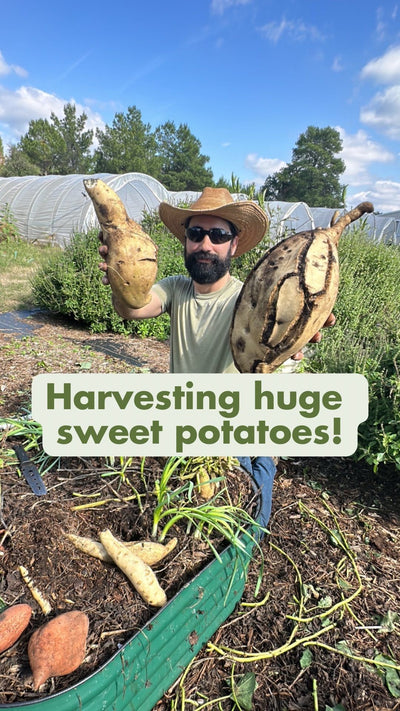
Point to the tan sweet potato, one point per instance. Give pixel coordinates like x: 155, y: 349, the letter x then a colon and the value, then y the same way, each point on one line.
x: 132, y: 254
x: 58, y: 647
x: 288, y: 296
x: 13, y: 621
x: 205, y: 486
x: 148, y: 551
x: 138, y: 573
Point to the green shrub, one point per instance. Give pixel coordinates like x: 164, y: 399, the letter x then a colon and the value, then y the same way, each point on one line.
x: 8, y: 228
x: 379, y: 436
x: 366, y: 340
x: 70, y: 285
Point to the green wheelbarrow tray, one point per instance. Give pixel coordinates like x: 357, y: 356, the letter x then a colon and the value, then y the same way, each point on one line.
x: 136, y: 677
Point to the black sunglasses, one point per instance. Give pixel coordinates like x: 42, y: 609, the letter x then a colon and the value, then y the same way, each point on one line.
x: 216, y: 234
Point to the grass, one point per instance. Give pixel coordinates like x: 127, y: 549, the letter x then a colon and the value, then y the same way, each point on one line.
x: 19, y: 261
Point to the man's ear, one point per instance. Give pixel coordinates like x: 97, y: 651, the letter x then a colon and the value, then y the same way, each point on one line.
x: 234, y: 244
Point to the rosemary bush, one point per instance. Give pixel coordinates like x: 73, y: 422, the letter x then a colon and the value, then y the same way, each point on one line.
x: 366, y: 340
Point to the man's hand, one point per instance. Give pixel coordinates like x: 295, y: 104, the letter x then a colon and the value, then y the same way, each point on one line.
x: 103, y: 251
x: 330, y: 321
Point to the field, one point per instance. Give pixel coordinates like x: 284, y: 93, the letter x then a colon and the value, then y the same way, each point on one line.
x: 323, y: 630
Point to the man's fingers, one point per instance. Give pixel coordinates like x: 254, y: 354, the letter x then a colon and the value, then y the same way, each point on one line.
x: 316, y: 338
x: 298, y: 356
x: 330, y: 321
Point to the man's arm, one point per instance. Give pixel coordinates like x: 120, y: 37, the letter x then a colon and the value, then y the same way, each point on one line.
x: 151, y: 310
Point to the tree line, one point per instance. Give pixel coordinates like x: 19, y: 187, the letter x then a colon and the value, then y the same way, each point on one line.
x: 171, y: 154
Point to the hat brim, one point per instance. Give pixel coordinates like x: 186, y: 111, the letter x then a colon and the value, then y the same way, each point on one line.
x: 248, y: 217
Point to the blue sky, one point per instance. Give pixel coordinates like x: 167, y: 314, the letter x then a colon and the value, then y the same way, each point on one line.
x: 247, y: 76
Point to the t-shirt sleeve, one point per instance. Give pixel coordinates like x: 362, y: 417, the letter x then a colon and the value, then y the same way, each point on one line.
x: 164, y: 290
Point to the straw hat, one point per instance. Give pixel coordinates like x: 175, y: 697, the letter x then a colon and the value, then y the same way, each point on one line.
x: 249, y: 219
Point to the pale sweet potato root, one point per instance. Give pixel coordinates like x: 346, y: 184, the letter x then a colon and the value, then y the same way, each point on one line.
x: 138, y: 573
x: 150, y: 552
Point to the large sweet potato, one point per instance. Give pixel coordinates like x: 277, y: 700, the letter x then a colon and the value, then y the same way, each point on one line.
x: 132, y: 254
x: 288, y: 296
x: 58, y: 647
x: 13, y: 621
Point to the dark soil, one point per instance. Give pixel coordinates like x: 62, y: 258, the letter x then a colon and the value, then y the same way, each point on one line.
x: 35, y: 537
x: 330, y: 593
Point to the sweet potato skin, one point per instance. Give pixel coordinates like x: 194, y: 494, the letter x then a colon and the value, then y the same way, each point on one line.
x: 148, y: 551
x: 288, y: 296
x: 138, y: 573
x: 13, y: 621
x: 132, y: 254
x: 58, y: 647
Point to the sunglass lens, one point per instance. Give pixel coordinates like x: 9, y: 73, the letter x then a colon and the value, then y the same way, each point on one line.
x: 216, y: 234
x: 195, y: 234
x: 219, y: 236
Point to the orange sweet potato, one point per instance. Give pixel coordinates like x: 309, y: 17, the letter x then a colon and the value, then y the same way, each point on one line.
x: 13, y: 621
x: 58, y: 647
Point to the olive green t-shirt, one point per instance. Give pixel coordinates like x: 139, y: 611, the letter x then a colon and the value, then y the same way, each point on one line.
x: 200, y: 325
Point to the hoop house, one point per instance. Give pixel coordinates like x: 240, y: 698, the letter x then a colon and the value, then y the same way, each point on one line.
x: 289, y: 217
x: 53, y: 207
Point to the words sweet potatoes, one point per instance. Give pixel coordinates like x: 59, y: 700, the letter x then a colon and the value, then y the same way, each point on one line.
x: 58, y: 647
x: 13, y: 621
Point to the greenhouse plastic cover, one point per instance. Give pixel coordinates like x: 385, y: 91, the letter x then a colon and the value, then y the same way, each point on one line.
x: 52, y: 208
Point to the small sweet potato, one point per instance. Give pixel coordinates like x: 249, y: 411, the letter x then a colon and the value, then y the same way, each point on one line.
x: 13, y: 621
x: 58, y: 647
x: 148, y: 551
x: 205, y: 486
x: 139, y: 573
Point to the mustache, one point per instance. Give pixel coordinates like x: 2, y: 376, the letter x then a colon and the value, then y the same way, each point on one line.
x: 202, y: 254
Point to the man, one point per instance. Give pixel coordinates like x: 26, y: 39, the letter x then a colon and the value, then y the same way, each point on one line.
x: 213, y: 230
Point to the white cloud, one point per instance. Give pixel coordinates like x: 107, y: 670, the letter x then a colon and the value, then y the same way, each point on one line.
x: 218, y: 7
x: 337, y: 65
x: 262, y: 167
x: 384, y: 69
x: 295, y: 30
x: 11, y: 68
x: 18, y: 108
x: 359, y: 151
x: 384, y: 195
x: 383, y: 112
x: 385, y: 18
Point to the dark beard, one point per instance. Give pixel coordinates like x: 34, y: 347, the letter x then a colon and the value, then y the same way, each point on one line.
x: 207, y: 272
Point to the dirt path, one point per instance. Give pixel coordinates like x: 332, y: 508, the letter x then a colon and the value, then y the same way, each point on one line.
x: 39, y: 343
